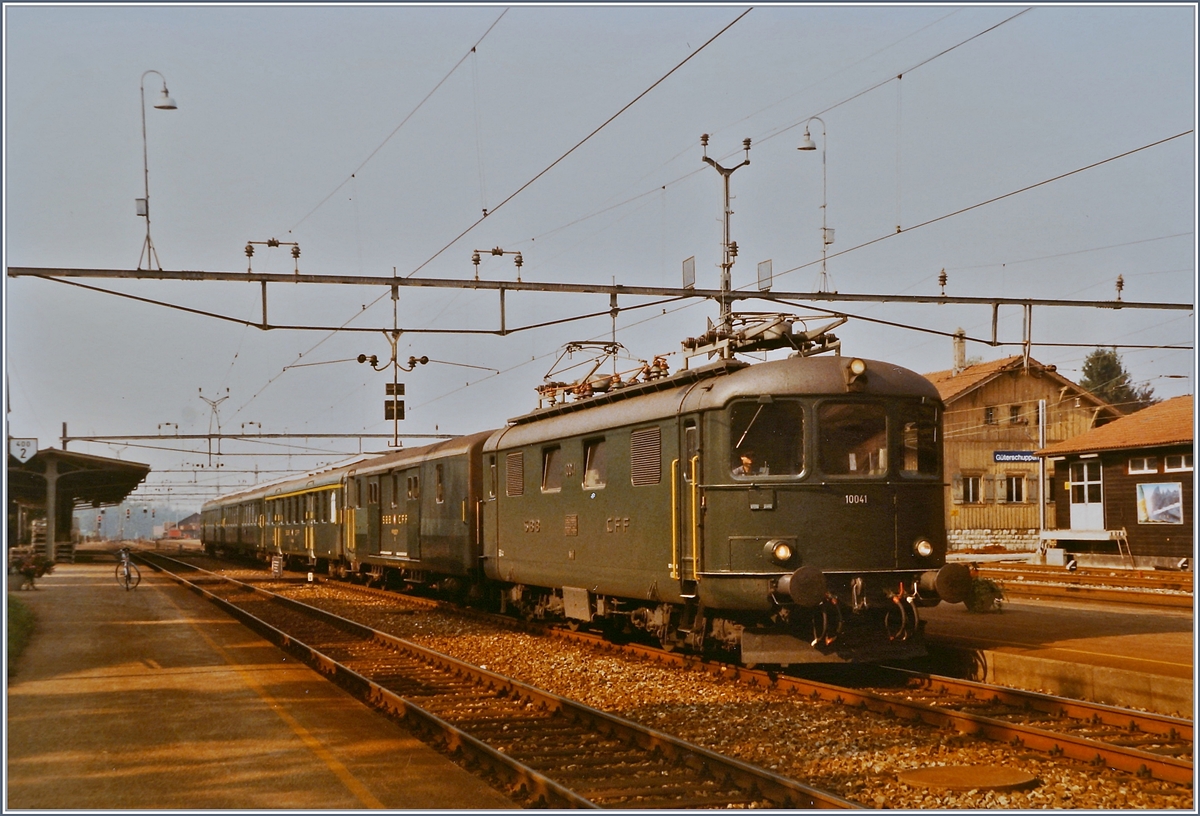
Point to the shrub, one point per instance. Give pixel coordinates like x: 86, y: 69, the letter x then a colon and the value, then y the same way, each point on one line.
x: 985, y: 596
x: 20, y: 630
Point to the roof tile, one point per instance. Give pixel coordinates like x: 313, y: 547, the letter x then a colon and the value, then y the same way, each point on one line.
x: 1165, y: 423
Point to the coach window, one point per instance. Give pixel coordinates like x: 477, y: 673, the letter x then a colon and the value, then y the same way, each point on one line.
x: 853, y: 439
x: 766, y: 438
x: 440, y: 486
x: 395, y: 489
x: 919, y: 436
x: 333, y: 514
x: 552, y: 470
x: 492, y: 475
x: 594, y: 459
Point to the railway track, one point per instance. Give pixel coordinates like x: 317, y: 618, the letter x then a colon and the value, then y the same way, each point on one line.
x: 555, y: 752
x: 1139, y: 743
x: 1168, y: 590
x: 1142, y: 579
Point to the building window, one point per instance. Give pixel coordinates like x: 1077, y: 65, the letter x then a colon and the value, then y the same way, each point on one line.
x: 1014, y: 488
x: 989, y: 416
x: 1143, y: 464
x: 1177, y: 462
x: 972, y: 487
x: 1014, y: 415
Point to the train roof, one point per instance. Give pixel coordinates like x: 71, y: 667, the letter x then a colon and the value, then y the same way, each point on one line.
x: 709, y: 388
x: 363, y: 463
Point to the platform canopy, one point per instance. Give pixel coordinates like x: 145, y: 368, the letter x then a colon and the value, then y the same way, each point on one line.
x: 59, y: 481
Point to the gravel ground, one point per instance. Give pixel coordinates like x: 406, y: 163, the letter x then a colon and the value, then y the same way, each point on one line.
x: 853, y: 753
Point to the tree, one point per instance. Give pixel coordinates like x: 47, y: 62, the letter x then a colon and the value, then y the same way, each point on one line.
x: 1105, y: 376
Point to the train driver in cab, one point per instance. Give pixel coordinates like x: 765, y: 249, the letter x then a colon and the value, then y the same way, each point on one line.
x: 745, y: 466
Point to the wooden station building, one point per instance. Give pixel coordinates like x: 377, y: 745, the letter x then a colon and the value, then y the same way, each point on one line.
x: 994, y: 494
x: 1129, y: 482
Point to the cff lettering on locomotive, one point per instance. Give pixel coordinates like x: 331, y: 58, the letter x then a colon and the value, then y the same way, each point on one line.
x: 786, y: 512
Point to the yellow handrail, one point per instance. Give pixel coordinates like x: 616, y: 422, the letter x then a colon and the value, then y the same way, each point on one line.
x: 674, y: 520
x: 695, y: 520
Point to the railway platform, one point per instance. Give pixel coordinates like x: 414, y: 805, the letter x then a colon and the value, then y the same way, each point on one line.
x: 155, y: 699
x: 1122, y: 656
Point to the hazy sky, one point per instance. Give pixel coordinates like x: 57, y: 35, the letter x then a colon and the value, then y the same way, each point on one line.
x: 298, y: 123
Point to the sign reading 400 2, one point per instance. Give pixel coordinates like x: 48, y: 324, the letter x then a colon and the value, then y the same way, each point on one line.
x: 22, y: 449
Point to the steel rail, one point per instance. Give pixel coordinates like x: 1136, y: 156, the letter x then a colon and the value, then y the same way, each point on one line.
x: 1131, y: 720
x: 1179, y: 581
x: 755, y: 784
x: 1133, y: 597
x: 1054, y: 743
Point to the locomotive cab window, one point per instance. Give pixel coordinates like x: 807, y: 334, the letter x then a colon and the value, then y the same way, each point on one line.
x: 766, y: 438
x: 552, y: 473
x: 919, y: 437
x: 853, y: 439
x: 594, y: 463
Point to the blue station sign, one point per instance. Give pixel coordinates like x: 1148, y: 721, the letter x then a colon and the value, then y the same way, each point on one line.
x: 1013, y: 456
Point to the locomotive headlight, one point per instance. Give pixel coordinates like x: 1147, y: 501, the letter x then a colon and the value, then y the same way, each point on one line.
x: 855, y: 374
x: 778, y: 551
x: 923, y: 547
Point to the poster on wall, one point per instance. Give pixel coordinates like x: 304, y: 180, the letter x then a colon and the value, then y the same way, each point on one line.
x: 1160, y: 503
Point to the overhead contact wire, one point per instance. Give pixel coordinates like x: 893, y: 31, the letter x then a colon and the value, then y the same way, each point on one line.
x: 581, y: 142
x: 413, y: 112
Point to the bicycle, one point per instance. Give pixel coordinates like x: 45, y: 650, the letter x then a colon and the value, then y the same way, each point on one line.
x: 128, y: 574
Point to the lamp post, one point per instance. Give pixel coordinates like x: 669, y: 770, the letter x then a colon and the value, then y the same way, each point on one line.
x: 165, y: 102
x: 826, y: 233
x: 393, y: 407
x: 728, y: 248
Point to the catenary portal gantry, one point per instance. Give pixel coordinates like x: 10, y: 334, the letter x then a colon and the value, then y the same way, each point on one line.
x: 502, y: 287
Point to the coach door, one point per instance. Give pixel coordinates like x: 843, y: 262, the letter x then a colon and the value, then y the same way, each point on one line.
x: 391, y: 512
x: 687, y: 475
x: 412, y: 513
x: 373, y: 514
x: 309, y: 520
